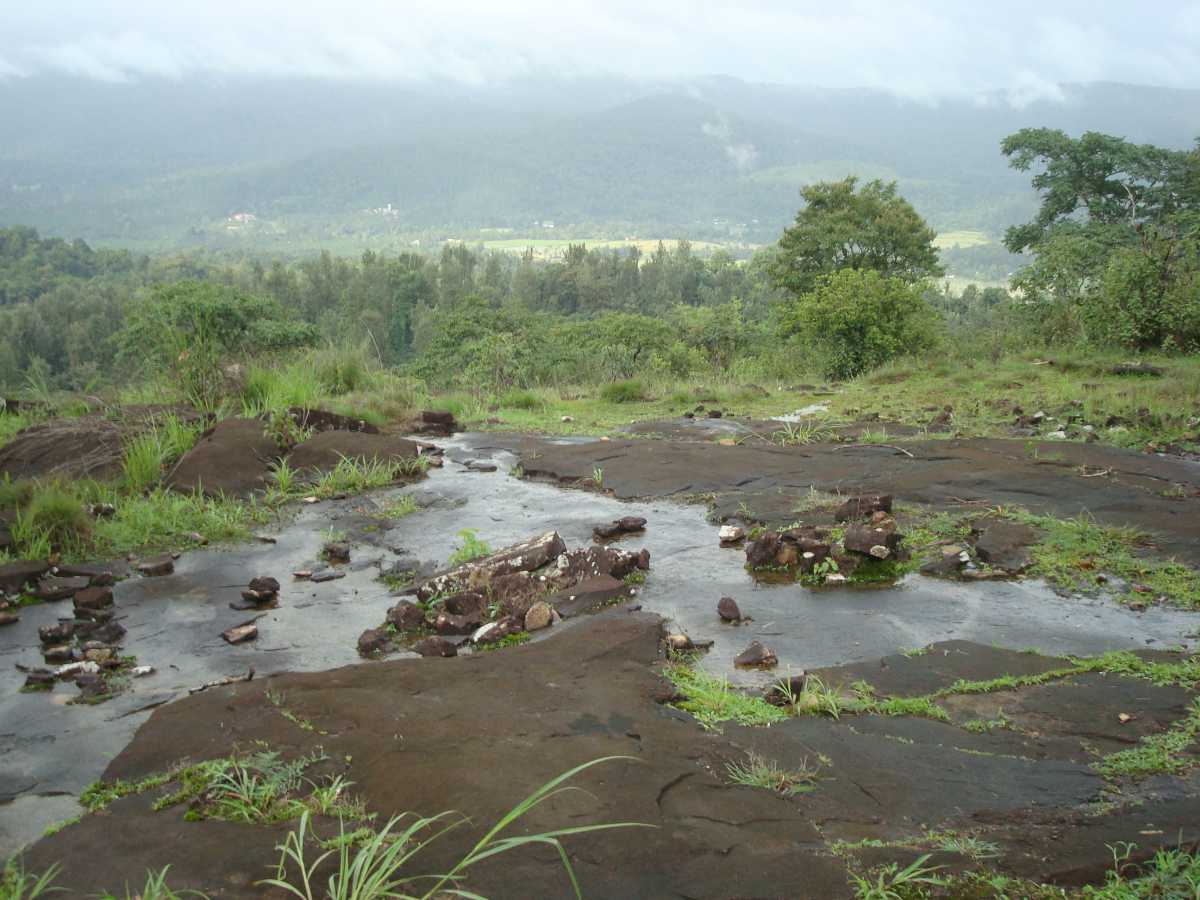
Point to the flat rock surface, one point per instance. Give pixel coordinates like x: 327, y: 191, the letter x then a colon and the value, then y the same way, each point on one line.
x: 426, y: 737
x: 768, y: 479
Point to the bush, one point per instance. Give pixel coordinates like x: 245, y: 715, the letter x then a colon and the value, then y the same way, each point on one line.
x: 521, y: 400
x: 856, y: 320
x: 1146, y: 301
x: 344, y: 369
x: 52, y: 516
x: 629, y: 391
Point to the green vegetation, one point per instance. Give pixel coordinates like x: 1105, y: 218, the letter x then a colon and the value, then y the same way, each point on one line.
x: 1074, y: 551
x: 891, y: 882
x: 380, y: 866
x: 471, y: 548
x: 1157, y: 753
x: 155, y: 888
x: 760, y: 772
x: 712, y: 700
x: 17, y: 884
x: 149, y: 455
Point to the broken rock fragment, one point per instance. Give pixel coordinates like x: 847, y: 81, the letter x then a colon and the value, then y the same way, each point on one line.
x: 861, y: 507
x: 435, y: 646
x: 731, y: 534
x: 406, y: 616
x: 239, y: 634
x: 728, y: 610
x: 156, y: 566
x: 539, y: 616
x: 756, y: 656
x: 374, y: 642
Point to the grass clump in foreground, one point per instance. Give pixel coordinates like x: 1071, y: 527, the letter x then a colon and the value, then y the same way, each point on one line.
x: 1157, y: 753
x: 757, y: 771
x: 379, y: 866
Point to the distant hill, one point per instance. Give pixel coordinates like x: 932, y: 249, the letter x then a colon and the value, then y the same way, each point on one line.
x: 166, y: 163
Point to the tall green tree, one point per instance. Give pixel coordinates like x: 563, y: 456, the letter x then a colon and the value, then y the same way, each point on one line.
x: 842, y: 226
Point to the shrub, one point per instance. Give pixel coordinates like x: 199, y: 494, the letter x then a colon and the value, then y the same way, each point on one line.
x: 521, y: 400
x: 856, y: 320
x: 1146, y: 301
x: 344, y: 368
x: 52, y: 515
x: 628, y: 391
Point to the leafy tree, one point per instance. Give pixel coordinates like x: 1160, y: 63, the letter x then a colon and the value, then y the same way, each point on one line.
x: 853, y: 321
x: 191, y: 328
x: 1115, y: 240
x: 840, y: 227
x: 1109, y: 180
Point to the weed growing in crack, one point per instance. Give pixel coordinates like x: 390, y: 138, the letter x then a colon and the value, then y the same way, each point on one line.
x: 757, y: 771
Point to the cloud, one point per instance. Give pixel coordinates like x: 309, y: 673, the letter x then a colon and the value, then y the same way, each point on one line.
x: 742, y: 154
x: 924, y: 50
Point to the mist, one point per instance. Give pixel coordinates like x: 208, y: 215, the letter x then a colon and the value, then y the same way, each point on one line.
x: 922, y: 51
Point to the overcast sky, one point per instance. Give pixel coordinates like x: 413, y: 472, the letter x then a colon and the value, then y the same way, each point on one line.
x: 920, y: 49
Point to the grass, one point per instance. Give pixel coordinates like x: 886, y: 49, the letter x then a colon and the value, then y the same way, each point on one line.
x: 1166, y: 752
x: 380, y: 866
x: 155, y: 888
x: 629, y: 391
x: 1074, y: 551
x: 891, y: 882
x: 712, y: 701
x: 17, y: 884
x: 984, y: 390
x: 146, y: 458
x: 470, y: 549
x: 760, y: 772
x: 397, y: 509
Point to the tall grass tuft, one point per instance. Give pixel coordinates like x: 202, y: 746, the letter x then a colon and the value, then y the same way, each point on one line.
x: 53, y: 519
x: 378, y: 867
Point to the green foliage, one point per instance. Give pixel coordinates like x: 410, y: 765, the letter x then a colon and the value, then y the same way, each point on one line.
x: 758, y: 771
x: 712, y: 700
x: 155, y: 888
x: 628, y: 391
x: 191, y: 328
x: 1169, y: 873
x: 379, y: 866
x: 17, y: 884
x: 1148, y: 297
x: 894, y: 883
x: 867, y: 229
x: 856, y: 320
x: 1116, y: 238
x: 148, y: 455
x: 470, y: 548
x: 53, y: 518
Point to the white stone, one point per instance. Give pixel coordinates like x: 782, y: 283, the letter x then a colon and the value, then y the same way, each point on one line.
x: 730, y: 533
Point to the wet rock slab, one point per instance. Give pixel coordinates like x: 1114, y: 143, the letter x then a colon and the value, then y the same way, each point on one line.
x: 414, y: 734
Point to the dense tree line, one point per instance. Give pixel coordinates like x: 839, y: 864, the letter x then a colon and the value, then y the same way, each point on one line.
x: 1112, y: 260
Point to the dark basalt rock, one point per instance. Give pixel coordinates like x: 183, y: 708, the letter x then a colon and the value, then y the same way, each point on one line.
x: 406, y: 616
x: 861, y: 507
x: 435, y: 646
x: 728, y: 610
x: 756, y: 656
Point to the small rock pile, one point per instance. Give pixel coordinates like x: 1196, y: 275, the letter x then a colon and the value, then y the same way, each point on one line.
x: 85, y: 648
x: 809, y: 550
x: 523, y: 588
